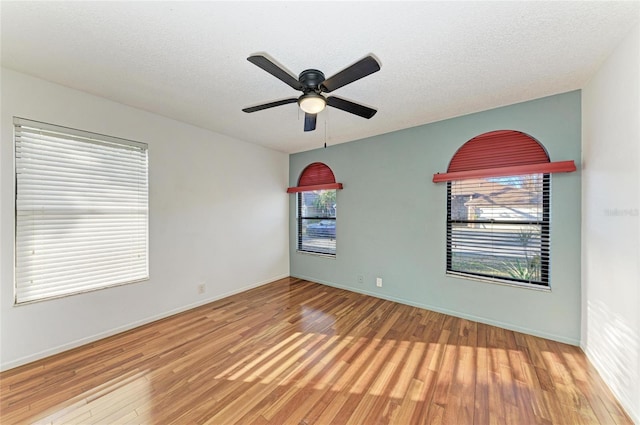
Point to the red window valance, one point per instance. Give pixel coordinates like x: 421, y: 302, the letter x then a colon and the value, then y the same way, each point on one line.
x: 501, y: 153
x: 316, y: 176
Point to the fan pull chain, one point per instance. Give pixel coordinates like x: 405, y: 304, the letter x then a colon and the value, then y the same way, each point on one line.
x: 325, y: 129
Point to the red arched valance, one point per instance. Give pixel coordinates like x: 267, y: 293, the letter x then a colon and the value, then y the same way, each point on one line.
x: 316, y: 176
x: 501, y: 153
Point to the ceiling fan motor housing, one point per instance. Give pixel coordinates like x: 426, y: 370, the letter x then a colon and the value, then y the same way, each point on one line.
x: 311, y: 79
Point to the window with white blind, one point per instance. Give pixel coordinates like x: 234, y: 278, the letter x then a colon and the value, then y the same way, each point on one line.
x: 498, y: 227
x: 498, y: 208
x: 317, y: 221
x: 81, y: 211
x: 316, y: 209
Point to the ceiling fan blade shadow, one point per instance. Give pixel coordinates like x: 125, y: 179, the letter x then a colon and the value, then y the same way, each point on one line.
x: 354, y: 108
x: 269, y: 105
x: 310, y: 122
x: 275, y: 70
x: 358, y: 70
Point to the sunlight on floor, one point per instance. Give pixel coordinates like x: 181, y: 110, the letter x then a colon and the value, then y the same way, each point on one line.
x: 126, y: 398
x: 322, y: 361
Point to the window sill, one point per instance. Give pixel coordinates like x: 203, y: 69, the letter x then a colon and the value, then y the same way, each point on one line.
x: 499, y: 282
x: 317, y: 254
x: 80, y: 292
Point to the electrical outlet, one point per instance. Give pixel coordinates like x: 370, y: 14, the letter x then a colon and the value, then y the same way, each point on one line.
x: 202, y: 288
x: 379, y: 282
x: 360, y: 278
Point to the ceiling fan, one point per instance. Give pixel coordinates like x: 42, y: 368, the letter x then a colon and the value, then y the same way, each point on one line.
x: 312, y: 84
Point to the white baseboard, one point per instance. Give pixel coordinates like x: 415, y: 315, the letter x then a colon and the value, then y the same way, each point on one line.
x: 80, y: 342
x: 460, y: 314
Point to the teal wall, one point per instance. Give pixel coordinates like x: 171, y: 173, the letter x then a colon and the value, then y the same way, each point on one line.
x: 391, y: 220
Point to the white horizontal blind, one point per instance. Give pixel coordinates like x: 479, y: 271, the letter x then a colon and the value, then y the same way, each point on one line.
x: 317, y: 221
x: 498, y: 227
x: 81, y: 211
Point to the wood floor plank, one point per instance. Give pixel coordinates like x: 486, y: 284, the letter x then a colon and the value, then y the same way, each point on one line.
x: 296, y: 352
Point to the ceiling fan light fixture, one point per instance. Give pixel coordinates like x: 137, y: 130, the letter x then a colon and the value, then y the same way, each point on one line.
x: 312, y: 103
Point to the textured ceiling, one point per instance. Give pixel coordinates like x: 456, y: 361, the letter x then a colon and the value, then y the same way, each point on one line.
x: 187, y: 60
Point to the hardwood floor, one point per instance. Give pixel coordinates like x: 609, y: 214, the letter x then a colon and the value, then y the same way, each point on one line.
x: 296, y: 352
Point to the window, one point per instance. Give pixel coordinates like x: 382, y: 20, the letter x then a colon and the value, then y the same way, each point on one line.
x: 81, y: 211
x: 498, y: 208
x: 316, y: 209
x: 317, y: 221
x: 499, y: 228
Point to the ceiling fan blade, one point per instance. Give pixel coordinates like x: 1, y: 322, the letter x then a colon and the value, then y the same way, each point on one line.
x: 351, y: 107
x: 358, y: 70
x: 273, y: 69
x: 310, y: 122
x: 270, y: 105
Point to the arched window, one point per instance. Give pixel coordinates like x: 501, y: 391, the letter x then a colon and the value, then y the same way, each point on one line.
x: 316, y: 200
x: 498, y: 208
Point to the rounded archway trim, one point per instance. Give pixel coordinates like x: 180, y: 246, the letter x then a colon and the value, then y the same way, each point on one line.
x: 501, y: 153
x: 316, y: 176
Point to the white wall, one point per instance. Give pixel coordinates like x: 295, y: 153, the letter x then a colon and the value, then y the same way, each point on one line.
x: 611, y: 222
x: 218, y: 214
